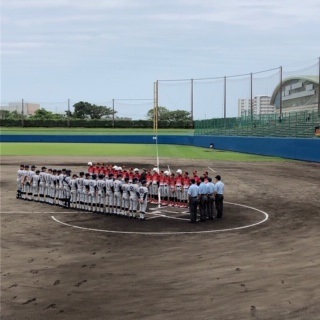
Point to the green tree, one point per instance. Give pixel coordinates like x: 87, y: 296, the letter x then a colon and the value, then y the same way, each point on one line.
x: 43, y: 114
x: 15, y: 115
x: 179, y: 115
x: 171, y: 116
x: 162, y: 114
x: 83, y: 110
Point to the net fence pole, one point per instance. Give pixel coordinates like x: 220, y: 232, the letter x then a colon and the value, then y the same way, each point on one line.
x: 319, y: 86
x: 191, y: 123
x: 112, y: 113
x: 280, y: 93
x: 251, y: 97
x: 22, y: 112
x: 225, y: 98
x: 68, y: 116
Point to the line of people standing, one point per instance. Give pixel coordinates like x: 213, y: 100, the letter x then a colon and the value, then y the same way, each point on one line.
x: 206, y: 196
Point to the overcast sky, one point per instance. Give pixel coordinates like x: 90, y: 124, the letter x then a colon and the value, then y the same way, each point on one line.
x: 98, y: 50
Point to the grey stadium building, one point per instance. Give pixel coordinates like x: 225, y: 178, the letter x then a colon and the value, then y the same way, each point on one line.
x: 298, y: 94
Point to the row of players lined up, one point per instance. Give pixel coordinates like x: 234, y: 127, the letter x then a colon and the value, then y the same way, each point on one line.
x: 85, y: 191
x: 172, y: 187
x: 115, y: 193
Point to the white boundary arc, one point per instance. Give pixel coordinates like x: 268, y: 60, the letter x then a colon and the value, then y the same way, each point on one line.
x: 266, y: 217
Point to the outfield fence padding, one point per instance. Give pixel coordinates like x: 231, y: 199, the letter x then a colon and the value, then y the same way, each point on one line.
x: 291, y: 148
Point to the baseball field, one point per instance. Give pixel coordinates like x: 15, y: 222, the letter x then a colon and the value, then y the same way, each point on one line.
x: 261, y: 261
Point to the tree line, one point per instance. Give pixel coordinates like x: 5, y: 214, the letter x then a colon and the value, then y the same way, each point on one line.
x: 85, y: 110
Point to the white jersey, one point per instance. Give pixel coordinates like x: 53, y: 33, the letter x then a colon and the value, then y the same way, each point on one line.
x: 47, y: 179
x: 101, y: 184
x: 73, y: 184
x: 30, y: 175
x: 60, y: 178
x: 133, y: 190
x: 42, y: 175
x: 125, y: 190
x: 24, y: 175
x: 54, y: 181
x: 20, y: 175
x: 143, y: 192
x: 92, y: 186
x: 109, y: 185
x: 80, y: 183
x: 86, y: 184
x: 35, y: 180
x: 65, y: 182
x: 117, y: 185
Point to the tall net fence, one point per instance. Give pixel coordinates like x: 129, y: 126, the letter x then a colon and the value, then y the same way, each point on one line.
x: 282, y: 101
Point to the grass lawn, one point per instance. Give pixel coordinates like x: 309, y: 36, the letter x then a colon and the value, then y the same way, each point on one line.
x: 127, y: 150
x: 94, y: 131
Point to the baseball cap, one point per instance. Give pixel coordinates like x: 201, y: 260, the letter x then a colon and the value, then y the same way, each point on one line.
x: 33, y: 166
x: 143, y: 182
x: 43, y: 168
x: 218, y: 177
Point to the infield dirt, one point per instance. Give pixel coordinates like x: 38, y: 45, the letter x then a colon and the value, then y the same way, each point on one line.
x: 268, y: 271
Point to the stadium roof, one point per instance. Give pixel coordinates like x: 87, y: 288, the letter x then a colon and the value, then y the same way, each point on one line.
x: 312, y: 79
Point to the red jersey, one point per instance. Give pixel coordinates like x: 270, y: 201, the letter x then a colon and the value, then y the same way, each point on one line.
x: 195, y: 177
x: 186, y: 182
x: 155, y: 178
x: 172, y: 182
x: 130, y: 174
x: 161, y: 179
x: 149, y: 177
x: 179, y: 180
x: 90, y: 169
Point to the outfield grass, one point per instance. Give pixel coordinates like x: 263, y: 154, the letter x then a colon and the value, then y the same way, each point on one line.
x: 94, y: 131
x: 127, y: 150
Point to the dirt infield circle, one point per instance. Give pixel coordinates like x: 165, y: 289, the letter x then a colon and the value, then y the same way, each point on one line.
x: 156, y: 214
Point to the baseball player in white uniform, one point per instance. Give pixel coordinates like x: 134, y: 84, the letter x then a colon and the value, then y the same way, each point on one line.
x: 101, y: 194
x: 25, y: 183
x: 125, y: 197
x: 86, y: 189
x: 143, y: 199
x: 117, y: 194
x: 20, y: 177
x: 35, y: 185
x: 73, y: 191
x: 133, y: 199
x: 92, y: 192
x: 80, y: 194
x: 109, y: 194
x: 66, y: 188
x: 42, y: 184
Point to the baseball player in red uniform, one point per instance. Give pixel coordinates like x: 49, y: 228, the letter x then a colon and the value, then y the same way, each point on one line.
x: 179, y: 183
x: 186, y: 185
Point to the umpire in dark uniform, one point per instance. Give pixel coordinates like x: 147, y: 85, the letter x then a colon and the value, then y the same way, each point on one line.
x: 193, y: 193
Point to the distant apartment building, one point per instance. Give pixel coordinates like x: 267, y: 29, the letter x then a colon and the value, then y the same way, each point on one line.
x: 260, y: 105
x: 28, y: 108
